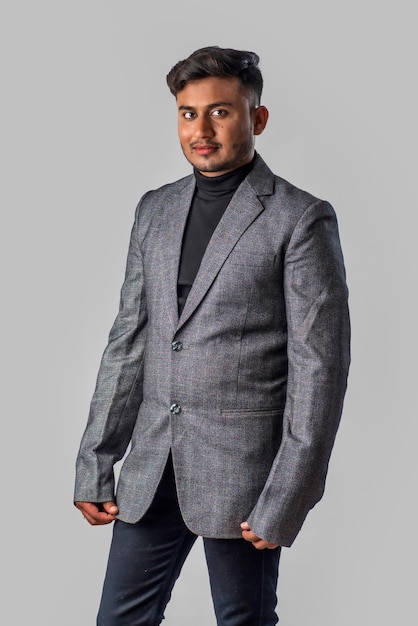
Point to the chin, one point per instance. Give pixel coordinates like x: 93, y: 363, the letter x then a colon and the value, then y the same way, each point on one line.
x: 205, y: 166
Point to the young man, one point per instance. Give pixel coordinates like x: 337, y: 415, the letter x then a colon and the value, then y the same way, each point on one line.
x: 226, y: 366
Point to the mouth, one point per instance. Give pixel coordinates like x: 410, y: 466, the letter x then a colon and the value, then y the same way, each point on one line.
x: 204, y: 149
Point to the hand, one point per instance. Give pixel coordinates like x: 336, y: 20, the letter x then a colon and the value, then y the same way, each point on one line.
x: 98, y: 514
x: 258, y: 543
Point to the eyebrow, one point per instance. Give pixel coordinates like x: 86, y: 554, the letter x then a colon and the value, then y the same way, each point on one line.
x: 184, y: 107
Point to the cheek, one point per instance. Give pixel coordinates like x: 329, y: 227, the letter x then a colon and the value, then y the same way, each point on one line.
x: 183, y: 136
x: 238, y: 133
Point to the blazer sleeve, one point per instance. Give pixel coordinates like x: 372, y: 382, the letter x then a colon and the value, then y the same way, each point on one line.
x: 318, y: 324
x: 118, y: 392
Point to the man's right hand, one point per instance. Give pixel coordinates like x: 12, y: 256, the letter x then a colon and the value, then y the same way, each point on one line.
x: 98, y: 513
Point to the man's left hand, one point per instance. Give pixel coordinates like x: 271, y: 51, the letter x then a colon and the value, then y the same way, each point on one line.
x: 257, y: 542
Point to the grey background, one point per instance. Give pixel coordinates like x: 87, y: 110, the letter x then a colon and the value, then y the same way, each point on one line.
x: 88, y: 125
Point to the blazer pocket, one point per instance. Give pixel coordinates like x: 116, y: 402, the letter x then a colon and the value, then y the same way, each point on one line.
x: 253, y: 433
x: 253, y: 259
x: 246, y: 413
x: 237, y: 443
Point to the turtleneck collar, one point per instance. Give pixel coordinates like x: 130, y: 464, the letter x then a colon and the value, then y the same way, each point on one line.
x: 225, y: 182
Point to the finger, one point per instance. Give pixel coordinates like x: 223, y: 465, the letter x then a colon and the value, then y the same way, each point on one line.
x: 110, y: 507
x: 257, y: 542
x: 248, y: 535
x: 261, y: 544
x: 92, y: 513
x: 264, y: 545
x: 99, y: 518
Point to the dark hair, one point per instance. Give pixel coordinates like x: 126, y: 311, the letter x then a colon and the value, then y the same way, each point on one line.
x: 222, y: 62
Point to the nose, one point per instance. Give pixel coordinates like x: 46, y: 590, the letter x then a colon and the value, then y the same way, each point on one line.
x: 203, y: 126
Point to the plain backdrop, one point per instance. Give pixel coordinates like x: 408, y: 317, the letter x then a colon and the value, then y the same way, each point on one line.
x: 87, y: 126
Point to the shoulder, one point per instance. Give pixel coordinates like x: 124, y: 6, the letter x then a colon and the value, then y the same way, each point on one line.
x: 168, y: 190
x: 283, y: 197
x: 154, y: 201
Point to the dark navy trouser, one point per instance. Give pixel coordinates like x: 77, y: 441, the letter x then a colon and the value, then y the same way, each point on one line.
x: 146, y: 558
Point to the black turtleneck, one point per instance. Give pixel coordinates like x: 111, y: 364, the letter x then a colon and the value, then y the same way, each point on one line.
x: 212, y: 196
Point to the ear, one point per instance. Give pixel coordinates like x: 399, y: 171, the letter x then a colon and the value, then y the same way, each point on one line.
x: 260, y: 117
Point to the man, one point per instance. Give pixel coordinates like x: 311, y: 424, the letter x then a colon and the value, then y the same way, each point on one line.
x: 226, y: 366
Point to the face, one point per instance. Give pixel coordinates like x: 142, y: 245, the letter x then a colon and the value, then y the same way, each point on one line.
x: 217, y: 123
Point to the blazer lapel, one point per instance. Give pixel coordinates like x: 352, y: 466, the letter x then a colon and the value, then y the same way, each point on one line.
x: 240, y: 213
x: 173, y: 229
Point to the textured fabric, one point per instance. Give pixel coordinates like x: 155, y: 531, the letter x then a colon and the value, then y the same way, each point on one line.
x: 146, y: 559
x: 256, y: 375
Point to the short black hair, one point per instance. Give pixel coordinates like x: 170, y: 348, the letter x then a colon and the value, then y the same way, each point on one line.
x: 221, y: 62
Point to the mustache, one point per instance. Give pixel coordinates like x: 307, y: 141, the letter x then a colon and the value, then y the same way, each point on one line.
x: 202, y: 144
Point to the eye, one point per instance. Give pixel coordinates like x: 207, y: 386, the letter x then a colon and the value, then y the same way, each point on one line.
x: 189, y: 115
x: 218, y: 113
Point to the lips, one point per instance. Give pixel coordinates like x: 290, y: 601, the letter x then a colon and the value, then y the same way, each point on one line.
x: 204, y: 148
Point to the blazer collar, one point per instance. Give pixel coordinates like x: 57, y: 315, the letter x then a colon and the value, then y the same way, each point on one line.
x: 242, y: 210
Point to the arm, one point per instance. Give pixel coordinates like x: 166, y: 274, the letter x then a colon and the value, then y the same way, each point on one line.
x: 118, y: 392
x: 318, y: 361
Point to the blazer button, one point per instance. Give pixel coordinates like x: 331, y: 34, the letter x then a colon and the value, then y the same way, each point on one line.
x: 175, y: 409
x: 176, y: 346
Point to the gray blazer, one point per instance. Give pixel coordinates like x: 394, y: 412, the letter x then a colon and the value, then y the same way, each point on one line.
x: 247, y: 387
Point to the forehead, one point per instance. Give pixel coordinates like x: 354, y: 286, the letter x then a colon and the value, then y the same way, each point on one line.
x: 211, y: 90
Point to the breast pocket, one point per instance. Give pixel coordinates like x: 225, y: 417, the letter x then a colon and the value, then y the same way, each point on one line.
x: 251, y: 259
x: 239, y: 273
x: 244, y: 279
